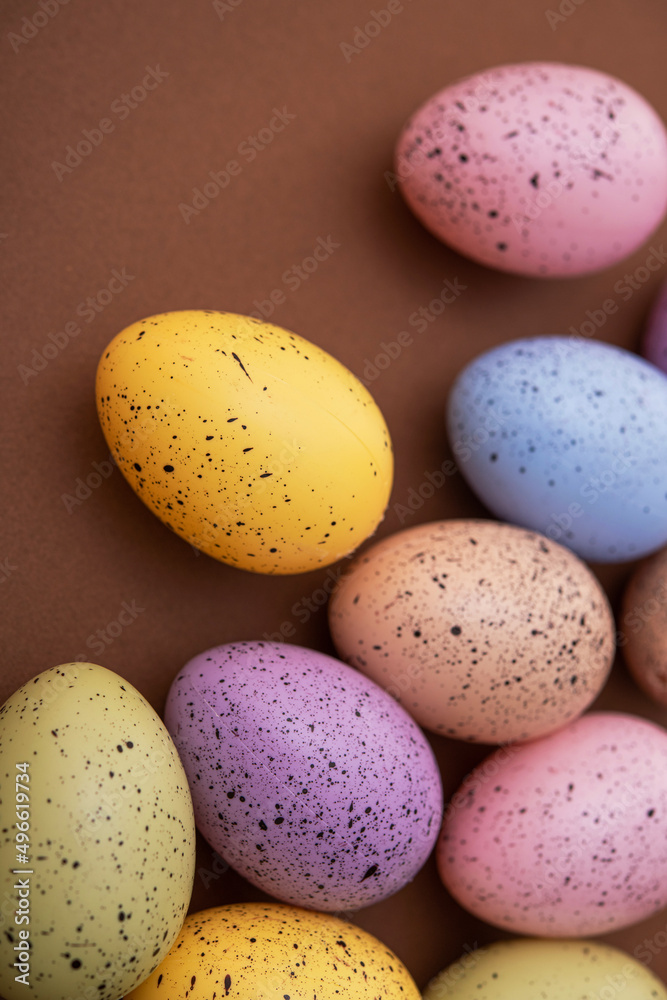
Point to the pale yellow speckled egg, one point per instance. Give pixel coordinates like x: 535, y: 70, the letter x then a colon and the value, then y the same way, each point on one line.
x: 251, y: 443
x: 97, y: 849
x: 484, y: 631
x: 643, y: 626
x: 265, y: 951
x: 548, y: 970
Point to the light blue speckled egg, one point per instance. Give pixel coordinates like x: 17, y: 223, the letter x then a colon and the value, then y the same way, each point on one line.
x: 567, y: 436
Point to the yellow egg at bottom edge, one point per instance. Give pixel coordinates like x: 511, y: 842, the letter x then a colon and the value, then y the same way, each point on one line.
x: 263, y: 951
x: 533, y: 969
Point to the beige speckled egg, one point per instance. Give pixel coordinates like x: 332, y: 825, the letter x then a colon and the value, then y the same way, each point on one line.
x: 643, y: 626
x: 484, y: 631
x: 267, y: 951
x: 548, y: 970
x: 97, y: 850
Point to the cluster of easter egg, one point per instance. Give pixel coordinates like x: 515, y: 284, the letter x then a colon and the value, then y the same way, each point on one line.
x: 312, y: 776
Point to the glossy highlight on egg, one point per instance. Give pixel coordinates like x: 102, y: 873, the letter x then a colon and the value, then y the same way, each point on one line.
x: 539, y: 168
x: 251, y: 443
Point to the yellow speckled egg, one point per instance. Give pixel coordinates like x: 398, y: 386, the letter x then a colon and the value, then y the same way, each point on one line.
x: 97, y: 851
x: 485, y: 631
x: 643, y: 626
x: 548, y: 970
x: 251, y: 443
x: 262, y: 951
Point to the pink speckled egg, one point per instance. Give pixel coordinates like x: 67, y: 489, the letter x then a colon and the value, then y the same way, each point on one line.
x: 643, y: 626
x: 541, y: 169
x: 566, y: 836
x: 654, y: 344
x: 484, y: 631
x: 307, y: 778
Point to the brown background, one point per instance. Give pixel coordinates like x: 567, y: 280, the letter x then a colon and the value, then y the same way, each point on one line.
x: 66, y: 574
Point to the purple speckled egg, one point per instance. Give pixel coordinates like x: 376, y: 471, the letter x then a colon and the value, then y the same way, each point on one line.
x: 565, y: 836
x: 541, y: 169
x: 654, y: 344
x: 306, y: 777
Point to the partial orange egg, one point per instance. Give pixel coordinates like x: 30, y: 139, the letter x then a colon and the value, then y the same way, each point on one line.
x: 643, y: 626
x: 484, y: 631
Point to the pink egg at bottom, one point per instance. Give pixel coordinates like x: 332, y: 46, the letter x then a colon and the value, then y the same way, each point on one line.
x: 654, y: 344
x: 565, y: 836
x: 306, y: 777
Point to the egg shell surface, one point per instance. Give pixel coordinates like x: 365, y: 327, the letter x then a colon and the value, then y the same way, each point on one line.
x: 550, y: 970
x: 251, y: 443
x: 567, y: 437
x: 654, y: 344
x: 485, y: 632
x: 542, y: 169
x: 265, y: 951
x: 111, y: 835
x: 307, y: 778
x: 643, y: 626
x: 565, y: 836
